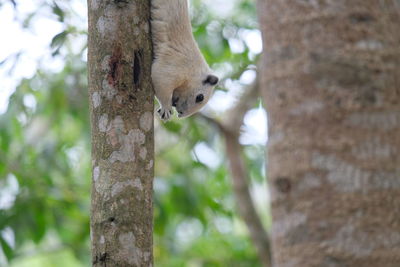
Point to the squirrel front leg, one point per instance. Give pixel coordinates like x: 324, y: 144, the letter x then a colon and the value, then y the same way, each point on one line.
x: 164, y: 87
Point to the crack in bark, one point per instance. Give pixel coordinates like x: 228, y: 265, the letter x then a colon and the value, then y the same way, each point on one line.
x: 137, y: 67
x: 121, y: 3
x: 358, y: 17
x: 283, y: 184
x: 115, y: 66
x: 102, y: 258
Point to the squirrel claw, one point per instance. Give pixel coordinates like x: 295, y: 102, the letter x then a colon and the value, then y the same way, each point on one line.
x: 165, y: 114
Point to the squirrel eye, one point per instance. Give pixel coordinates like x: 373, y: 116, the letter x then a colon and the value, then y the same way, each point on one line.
x: 199, y: 98
x: 211, y: 80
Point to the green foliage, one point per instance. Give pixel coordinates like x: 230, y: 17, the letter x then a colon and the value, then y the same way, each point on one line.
x: 45, y: 147
x: 45, y: 160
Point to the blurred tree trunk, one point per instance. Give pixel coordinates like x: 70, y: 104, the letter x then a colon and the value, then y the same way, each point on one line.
x: 331, y: 84
x: 121, y: 103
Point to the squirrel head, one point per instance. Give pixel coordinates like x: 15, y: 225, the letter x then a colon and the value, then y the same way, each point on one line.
x: 193, y: 95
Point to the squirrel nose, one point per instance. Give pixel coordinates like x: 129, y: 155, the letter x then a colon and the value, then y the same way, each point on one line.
x: 175, y: 101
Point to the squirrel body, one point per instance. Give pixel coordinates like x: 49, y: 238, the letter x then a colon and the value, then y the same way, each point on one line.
x: 180, y: 74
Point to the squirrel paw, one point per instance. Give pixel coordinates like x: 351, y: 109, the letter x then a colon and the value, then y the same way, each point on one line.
x: 165, y: 114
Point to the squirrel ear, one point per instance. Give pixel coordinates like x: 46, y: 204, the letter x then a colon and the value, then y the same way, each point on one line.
x: 211, y: 79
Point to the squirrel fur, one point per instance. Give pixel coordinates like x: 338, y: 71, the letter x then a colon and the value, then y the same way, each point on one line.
x: 180, y: 74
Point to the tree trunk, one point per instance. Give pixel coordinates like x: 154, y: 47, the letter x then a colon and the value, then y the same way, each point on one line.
x: 331, y: 84
x: 121, y: 104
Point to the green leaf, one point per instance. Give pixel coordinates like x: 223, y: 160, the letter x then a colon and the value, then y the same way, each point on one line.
x: 59, y: 39
x: 7, y: 250
x: 173, y: 127
x: 40, y: 226
x: 27, y: 21
x: 58, y: 11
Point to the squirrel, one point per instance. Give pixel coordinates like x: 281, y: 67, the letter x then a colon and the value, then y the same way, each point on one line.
x: 181, y: 77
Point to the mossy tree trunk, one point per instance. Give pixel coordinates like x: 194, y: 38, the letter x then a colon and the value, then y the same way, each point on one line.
x: 121, y: 104
x: 331, y: 84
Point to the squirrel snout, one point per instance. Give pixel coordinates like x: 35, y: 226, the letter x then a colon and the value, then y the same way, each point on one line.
x: 175, y: 101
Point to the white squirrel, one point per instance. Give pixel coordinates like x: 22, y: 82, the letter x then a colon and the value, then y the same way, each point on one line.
x: 180, y: 74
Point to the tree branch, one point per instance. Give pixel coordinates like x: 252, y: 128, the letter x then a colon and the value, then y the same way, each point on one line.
x: 230, y: 128
x: 235, y: 115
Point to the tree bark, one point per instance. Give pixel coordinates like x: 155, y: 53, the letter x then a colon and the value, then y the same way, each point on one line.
x: 330, y: 81
x: 121, y: 104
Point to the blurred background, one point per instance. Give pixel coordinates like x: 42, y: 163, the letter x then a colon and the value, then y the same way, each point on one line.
x: 45, y: 142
